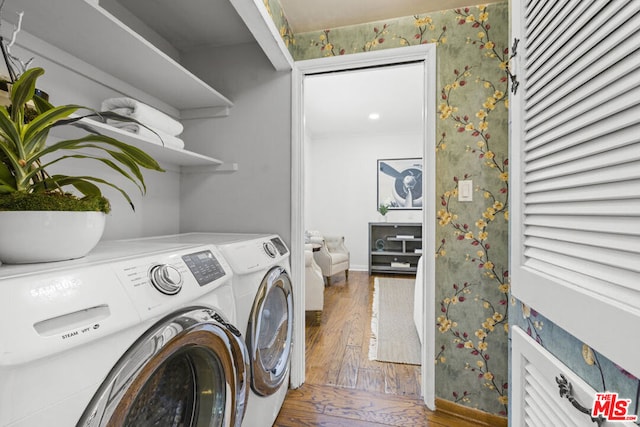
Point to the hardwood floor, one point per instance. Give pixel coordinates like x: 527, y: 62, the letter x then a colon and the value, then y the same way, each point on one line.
x: 343, y: 387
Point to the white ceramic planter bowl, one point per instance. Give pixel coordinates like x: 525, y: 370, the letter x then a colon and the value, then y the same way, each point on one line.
x: 43, y: 236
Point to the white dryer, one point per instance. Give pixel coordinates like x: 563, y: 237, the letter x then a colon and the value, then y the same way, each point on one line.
x: 135, y: 334
x: 264, y: 302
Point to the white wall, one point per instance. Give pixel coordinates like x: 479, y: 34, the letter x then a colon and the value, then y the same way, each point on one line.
x: 256, y: 135
x: 341, y: 184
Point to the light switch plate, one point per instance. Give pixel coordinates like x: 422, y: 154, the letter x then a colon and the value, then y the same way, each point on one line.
x: 465, y: 190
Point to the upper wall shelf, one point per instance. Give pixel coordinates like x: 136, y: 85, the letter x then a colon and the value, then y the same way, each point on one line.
x: 87, y: 31
x: 165, y: 155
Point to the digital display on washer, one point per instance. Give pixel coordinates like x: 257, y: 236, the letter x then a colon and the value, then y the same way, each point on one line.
x: 204, y: 266
x: 279, y: 245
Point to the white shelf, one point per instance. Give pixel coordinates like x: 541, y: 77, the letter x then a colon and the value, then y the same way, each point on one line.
x: 162, y: 154
x: 84, y: 37
x: 87, y: 31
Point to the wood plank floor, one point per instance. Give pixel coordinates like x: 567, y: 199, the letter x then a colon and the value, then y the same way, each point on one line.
x: 343, y: 387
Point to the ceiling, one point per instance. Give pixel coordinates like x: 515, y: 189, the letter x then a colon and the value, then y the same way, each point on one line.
x: 340, y: 103
x: 192, y: 24
x: 312, y: 15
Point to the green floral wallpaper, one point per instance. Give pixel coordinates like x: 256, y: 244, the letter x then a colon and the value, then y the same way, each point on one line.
x: 471, y: 265
x: 274, y: 8
x: 472, y: 257
x: 472, y: 277
x: 472, y: 260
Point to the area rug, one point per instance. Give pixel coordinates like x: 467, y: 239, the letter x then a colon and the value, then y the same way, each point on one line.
x: 394, y: 337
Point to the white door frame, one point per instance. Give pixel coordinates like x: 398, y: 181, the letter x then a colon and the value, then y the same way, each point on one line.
x: 427, y: 54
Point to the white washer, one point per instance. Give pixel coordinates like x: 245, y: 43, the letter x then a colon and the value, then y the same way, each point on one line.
x: 264, y: 302
x: 96, y: 341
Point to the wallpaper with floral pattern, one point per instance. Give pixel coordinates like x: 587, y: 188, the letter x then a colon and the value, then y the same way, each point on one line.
x: 472, y: 277
x: 472, y: 129
x: 274, y: 8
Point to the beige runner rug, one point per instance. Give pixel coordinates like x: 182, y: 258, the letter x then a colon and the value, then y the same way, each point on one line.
x: 394, y: 337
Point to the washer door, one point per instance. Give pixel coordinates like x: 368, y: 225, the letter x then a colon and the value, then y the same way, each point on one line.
x: 270, y: 331
x: 190, y: 369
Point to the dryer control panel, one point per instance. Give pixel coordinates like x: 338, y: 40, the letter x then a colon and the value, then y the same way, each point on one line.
x: 256, y: 254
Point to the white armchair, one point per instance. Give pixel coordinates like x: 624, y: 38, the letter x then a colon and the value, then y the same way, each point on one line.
x: 332, y: 256
x: 314, y: 285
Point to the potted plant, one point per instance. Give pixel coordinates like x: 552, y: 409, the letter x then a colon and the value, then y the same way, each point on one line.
x: 383, y: 208
x: 39, y: 219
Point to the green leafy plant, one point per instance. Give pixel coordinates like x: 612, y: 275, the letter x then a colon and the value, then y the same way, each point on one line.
x: 23, y: 150
x: 383, y: 208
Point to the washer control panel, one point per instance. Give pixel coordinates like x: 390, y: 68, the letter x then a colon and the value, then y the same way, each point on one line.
x: 204, y: 266
x: 164, y: 279
x: 75, y: 303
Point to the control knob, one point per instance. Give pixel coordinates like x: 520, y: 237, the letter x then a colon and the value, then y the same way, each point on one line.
x: 270, y: 249
x: 166, y: 278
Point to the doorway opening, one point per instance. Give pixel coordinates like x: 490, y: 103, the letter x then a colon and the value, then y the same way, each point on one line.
x: 422, y: 57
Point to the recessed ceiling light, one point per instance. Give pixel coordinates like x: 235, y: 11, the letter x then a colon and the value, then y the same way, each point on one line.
x: 374, y: 116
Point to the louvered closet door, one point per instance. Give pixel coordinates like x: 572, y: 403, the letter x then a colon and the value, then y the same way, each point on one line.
x: 536, y: 375
x: 575, y: 169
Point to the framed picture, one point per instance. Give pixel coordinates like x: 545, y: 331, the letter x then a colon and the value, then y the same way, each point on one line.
x: 400, y: 183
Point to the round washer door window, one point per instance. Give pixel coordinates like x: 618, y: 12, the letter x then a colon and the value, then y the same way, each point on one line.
x: 187, y: 387
x: 270, y: 332
x: 189, y: 370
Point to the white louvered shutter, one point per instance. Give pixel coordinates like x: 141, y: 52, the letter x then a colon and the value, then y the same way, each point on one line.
x: 575, y: 169
x: 536, y: 401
